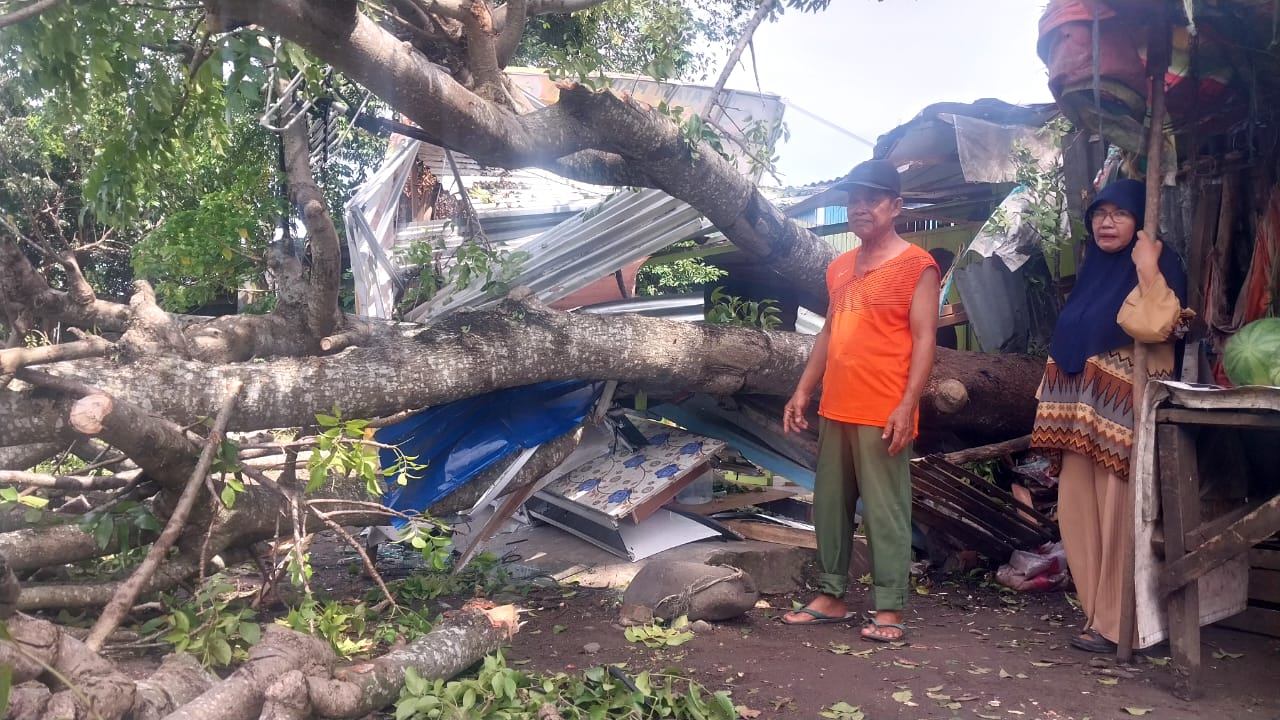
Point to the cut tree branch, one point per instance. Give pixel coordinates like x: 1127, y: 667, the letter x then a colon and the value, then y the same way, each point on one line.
x: 114, y: 613
x: 14, y: 358
x: 68, y: 482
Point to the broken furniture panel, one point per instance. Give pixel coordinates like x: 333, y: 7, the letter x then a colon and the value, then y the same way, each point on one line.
x: 616, y: 500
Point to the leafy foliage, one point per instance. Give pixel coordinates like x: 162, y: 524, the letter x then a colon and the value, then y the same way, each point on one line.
x: 493, y: 267
x: 682, y: 275
x: 498, y: 691
x: 1045, y: 187
x: 342, y: 625
x: 201, y: 254
x: 654, y: 635
x: 342, y: 448
x: 732, y: 310
x: 208, y: 625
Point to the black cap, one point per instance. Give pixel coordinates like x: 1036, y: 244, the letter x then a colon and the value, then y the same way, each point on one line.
x: 874, y: 174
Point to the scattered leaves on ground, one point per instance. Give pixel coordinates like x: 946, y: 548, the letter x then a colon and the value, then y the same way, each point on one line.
x: 843, y: 711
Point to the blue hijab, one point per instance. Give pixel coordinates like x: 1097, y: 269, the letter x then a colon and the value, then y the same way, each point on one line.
x: 1087, y: 324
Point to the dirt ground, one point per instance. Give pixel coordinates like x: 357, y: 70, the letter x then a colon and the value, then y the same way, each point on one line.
x: 972, y: 653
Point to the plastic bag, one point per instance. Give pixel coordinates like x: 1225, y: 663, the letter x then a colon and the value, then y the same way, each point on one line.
x: 1040, y: 571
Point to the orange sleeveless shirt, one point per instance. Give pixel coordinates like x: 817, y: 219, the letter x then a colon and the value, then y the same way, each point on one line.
x: 869, y: 355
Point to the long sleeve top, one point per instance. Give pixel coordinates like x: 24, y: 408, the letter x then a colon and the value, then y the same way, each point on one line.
x: 1091, y: 412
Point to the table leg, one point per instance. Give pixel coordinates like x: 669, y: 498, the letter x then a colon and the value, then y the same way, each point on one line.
x: 1180, y: 505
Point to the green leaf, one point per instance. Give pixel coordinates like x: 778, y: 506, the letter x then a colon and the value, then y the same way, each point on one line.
x: 220, y: 651
x: 104, y: 531
x: 1137, y: 711
x: 251, y: 632
x: 228, y: 496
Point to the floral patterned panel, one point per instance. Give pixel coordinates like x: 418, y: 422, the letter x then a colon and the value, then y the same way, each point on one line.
x: 621, y: 482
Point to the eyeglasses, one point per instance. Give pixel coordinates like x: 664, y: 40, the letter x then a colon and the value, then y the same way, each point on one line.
x: 1115, y: 216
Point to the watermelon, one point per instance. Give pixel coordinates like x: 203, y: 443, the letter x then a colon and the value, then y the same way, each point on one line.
x: 1252, y: 356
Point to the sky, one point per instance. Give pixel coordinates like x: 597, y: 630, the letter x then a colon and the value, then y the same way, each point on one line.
x: 868, y: 66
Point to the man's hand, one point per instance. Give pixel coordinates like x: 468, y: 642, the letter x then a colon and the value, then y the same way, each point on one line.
x: 1146, y: 257
x: 899, y: 428
x: 793, y: 419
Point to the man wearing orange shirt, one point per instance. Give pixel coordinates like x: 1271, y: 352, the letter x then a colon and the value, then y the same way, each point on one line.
x: 872, y: 357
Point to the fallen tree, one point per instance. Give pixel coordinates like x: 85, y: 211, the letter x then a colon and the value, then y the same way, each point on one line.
x: 137, y: 383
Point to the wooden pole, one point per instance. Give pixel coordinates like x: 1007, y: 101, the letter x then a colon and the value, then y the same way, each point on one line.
x: 1157, y: 65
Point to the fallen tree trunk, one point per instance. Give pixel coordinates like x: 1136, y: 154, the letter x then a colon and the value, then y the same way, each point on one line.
x: 514, y: 344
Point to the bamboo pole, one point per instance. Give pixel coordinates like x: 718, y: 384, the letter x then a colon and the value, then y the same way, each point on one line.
x: 1157, y: 65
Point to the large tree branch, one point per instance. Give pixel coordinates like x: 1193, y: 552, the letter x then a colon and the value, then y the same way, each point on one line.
x: 326, y: 249
x: 582, y: 121
x: 503, y: 15
x: 26, y: 13
x: 22, y: 288
x: 469, y: 354
x: 510, y: 27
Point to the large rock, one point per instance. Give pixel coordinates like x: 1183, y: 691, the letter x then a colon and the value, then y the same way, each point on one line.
x: 667, y: 590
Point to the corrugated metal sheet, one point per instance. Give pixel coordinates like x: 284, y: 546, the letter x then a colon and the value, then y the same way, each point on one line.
x: 515, y: 206
x: 626, y: 227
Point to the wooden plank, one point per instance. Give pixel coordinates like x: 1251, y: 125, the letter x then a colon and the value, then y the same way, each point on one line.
x: 952, y: 314
x: 998, y: 522
x: 734, y: 501
x: 1236, y: 539
x: 770, y: 533
x: 1180, y: 503
x: 974, y: 493
x: 988, y: 452
x: 1264, y: 585
x: 977, y: 484
x: 973, y: 538
x: 1226, y: 418
x: 1201, y: 534
x: 1264, y: 621
x: 1264, y: 558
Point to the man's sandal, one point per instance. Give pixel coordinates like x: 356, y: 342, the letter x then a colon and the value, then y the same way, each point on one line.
x: 875, y: 636
x: 819, y: 617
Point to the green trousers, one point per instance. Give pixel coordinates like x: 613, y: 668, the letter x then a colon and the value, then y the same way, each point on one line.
x: 853, y: 462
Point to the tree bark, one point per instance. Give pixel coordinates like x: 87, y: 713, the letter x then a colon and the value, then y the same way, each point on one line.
x: 514, y: 344
x: 447, y: 650
x: 241, y: 696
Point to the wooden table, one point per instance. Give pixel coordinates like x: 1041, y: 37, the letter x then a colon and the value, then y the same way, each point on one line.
x: 1192, y: 545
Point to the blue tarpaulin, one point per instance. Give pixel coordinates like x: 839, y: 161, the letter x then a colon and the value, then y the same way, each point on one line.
x: 462, y: 439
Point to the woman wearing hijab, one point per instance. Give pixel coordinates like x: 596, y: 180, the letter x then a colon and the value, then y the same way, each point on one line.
x: 1129, y: 288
